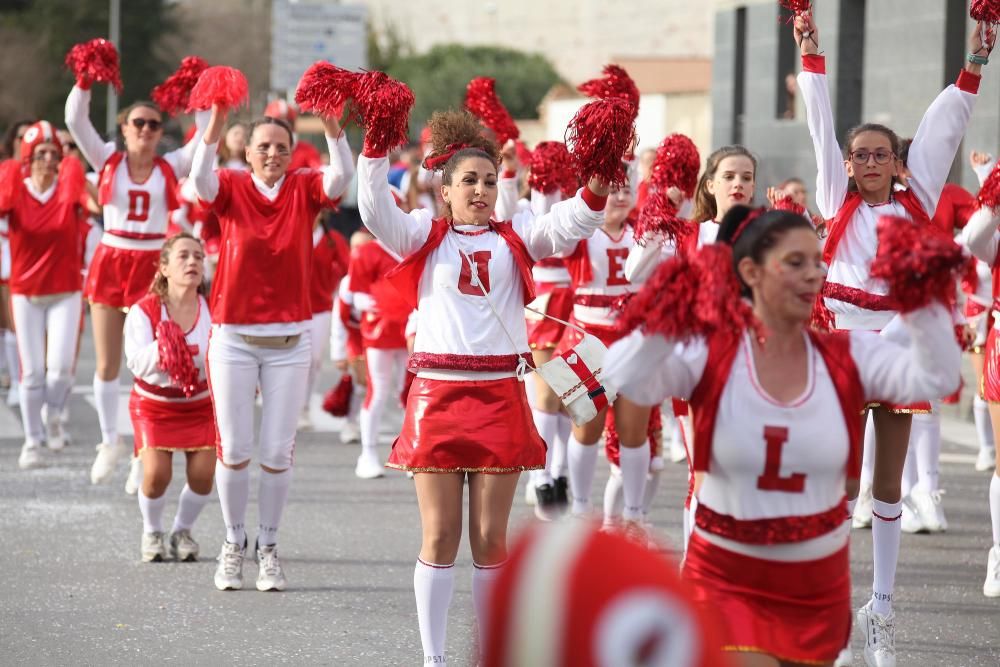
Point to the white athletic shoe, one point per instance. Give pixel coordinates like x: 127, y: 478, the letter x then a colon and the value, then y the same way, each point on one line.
x: 929, y: 509
x: 863, y: 510
x: 104, y: 464
x: 31, y: 456
x: 229, y: 573
x: 134, y: 478
x: 55, y: 437
x: 369, y: 465
x: 880, y: 636
x: 350, y: 433
x: 530, y: 498
x: 845, y: 658
x: 183, y: 548
x: 911, y: 520
x: 986, y: 459
x: 154, y: 550
x: 270, y: 576
x: 991, y: 588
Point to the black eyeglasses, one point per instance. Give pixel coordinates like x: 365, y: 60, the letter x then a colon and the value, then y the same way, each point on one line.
x: 862, y: 156
x: 139, y: 123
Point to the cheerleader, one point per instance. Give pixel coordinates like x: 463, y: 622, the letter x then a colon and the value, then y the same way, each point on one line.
x: 770, y: 545
x: 853, y: 198
x: 166, y: 338
x: 466, y: 412
x: 43, y: 197
x: 261, y: 332
x: 137, y: 190
x: 304, y: 154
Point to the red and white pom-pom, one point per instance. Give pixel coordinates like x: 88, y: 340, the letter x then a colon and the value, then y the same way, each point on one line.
x: 918, y: 264
x: 659, y: 216
x: 174, y: 94
x: 338, y: 400
x: 95, y: 61
x: 989, y: 194
x: 616, y: 83
x: 787, y: 203
x: 796, y: 6
x: 692, y: 294
x: 384, y: 106
x: 987, y: 11
x: 598, y: 137
x: 175, y: 357
x: 482, y: 100
x: 324, y: 89
x: 676, y: 165
x: 552, y: 169
x: 225, y: 86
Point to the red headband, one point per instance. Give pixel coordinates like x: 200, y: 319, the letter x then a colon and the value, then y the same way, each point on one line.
x: 439, y: 161
x: 753, y: 215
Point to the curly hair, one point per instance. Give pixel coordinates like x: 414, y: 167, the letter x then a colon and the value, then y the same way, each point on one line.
x: 449, y: 128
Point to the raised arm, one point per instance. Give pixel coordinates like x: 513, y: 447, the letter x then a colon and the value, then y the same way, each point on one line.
x: 181, y: 158
x: 206, y: 181
x: 507, y: 198
x: 403, y: 233
x: 981, y: 234
x: 650, y: 369
x: 643, y: 259
x: 94, y: 149
x: 338, y: 174
x: 566, y: 224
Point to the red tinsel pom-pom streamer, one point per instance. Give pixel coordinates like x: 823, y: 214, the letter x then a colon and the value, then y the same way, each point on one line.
x: 384, y: 105
x: 616, y: 83
x: 918, y: 266
x: 786, y: 203
x: 796, y: 6
x: 822, y: 319
x: 225, y: 86
x: 173, y: 95
x: 676, y: 165
x: 482, y: 100
x: 324, y: 89
x: 692, y: 294
x: 95, y: 61
x: 987, y: 11
x: 175, y: 357
x: 598, y: 137
x: 552, y: 169
x: 989, y: 194
x: 659, y: 216
x: 338, y: 400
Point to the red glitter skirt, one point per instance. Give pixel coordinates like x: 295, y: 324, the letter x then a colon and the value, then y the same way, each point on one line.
x: 182, y: 426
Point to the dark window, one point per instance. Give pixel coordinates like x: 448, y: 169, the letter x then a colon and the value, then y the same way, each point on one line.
x: 739, y: 74
x: 787, y: 88
x: 850, y: 65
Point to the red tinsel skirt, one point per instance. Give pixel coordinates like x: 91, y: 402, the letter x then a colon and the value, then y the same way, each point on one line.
x: 545, y: 333
x: 467, y: 426
x: 797, y: 612
x: 654, y: 431
x: 172, y: 425
x: 118, y: 278
x: 991, y: 367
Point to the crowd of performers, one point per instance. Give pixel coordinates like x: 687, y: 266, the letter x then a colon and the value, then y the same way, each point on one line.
x: 797, y: 361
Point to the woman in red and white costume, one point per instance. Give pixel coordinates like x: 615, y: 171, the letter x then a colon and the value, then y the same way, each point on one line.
x: 166, y: 339
x: 261, y: 330
x: 137, y: 189
x: 770, y: 545
x: 43, y: 198
x: 466, y: 412
x: 853, y: 193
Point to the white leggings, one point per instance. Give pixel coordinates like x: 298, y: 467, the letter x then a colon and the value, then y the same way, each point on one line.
x: 386, y: 372
x: 235, y: 370
x: 46, y: 344
x: 320, y: 334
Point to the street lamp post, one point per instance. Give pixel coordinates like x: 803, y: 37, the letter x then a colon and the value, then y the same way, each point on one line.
x: 114, y: 35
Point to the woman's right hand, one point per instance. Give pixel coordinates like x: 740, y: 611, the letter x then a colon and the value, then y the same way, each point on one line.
x: 216, y: 124
x: 979, y: 158
x: 806, y: 34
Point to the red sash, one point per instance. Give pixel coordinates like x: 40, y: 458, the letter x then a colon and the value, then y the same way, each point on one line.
x: 108, y: 177
x: 578, y: 264
x: 838, y: 226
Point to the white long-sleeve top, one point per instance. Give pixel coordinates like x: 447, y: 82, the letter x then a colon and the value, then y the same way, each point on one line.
x: 931, y: 154
x: 454, y: 317
x: 980, y: 235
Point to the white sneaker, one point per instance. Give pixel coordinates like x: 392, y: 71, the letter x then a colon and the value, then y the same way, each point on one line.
x: 991, y: 588
x: 986, y: 459
x: 369, y: 466
x: 880, y: 636
x: 134, y: 478
x: 530, y: 498
x: 104, y: 464
x: 183, y: 548
x: 863, y: 509
x: 31, y: 456
x: 154, y: 550
x: 911, y: 520
x: 350, y: 433
x: 229, y: 573
x: 55, y: 437
x: 929, y: 509
x: 270, y: 576
x: 845, y: 658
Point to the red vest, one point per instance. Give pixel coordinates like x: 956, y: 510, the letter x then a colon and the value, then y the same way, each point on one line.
x: 105, y: 184
x: 838, y: 226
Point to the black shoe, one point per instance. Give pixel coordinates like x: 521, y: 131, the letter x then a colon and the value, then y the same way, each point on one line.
x: 546, y: 507
x: 562, y: 492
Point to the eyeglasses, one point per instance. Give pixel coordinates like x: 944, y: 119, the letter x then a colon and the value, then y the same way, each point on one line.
x: 139, y: 123
x: 881, y: 156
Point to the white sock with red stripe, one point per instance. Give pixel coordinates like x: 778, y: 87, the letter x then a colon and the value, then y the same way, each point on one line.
x: 634, y: 462
x: 189, y: 506
x: 928, y: 445
x: 547, y: 424
x: 272, y: 494
x: 152, y: 512
x: 886, y: 532
x: 984, y: 425
x: 433, y: 586
x: 13, y: 361
x: 995, y: 508
x: 106, y: 401
x: 560, y: 458
x: 582, y: 464
x: 234, y: 494
x: 483, y: 577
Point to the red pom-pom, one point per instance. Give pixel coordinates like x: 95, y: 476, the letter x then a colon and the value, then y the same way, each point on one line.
x: 552, y: 169
x: 796, y: 6
x: 987, y: 11
x: 918, y: 264
x: 786, y: 203
x: 659, y: 216
x: 225, y: 86
x: 676, y: 165
x: 384, y: 106
x: 175, y: 357
x: 616, y: 83
x: 822, y: 319
x: 482, y: 100
x: 325, y: 88
x: 173, y: 95
x: 598, y: 137
x: 11, y: 183
x: 95, y: 61
x: 338, y: 400
x: 692, y: 294
x: 989, y: 194
x: 523, y: 154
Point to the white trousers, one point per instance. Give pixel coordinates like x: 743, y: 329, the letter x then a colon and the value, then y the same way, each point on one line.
x: 47, y: 332
x: 386, y: 373
x: 235, y: 369
x: 320, y: 326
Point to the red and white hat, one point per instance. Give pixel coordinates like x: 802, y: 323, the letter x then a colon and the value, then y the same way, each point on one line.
x: 572, y: 595
x: 281, y: 109
x: 41, y: 132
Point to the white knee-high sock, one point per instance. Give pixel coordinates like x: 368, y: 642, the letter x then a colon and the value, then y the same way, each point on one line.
x: 547, y: 424
x: 910, y: 467
x: 652, y: 484
x: 13, y: 361
x: 272, y: 494
x: 32, y: 400
x: 582, y: 464
x: 189, y: 506
x: 432, y: 587
x: 885, y: 549
x: 234, y: 494
x: 613, y: 500
x: 995, y: 508
x: 984, y: 425
x: 868, y: 455
x: 928, y: 442
x: 152, y: 512
x: 106, y: 399
x: 483, y: 577
x: 635, y: 468
x: 560, y: 459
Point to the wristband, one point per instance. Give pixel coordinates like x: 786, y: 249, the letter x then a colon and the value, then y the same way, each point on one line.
x: 978, y: 60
